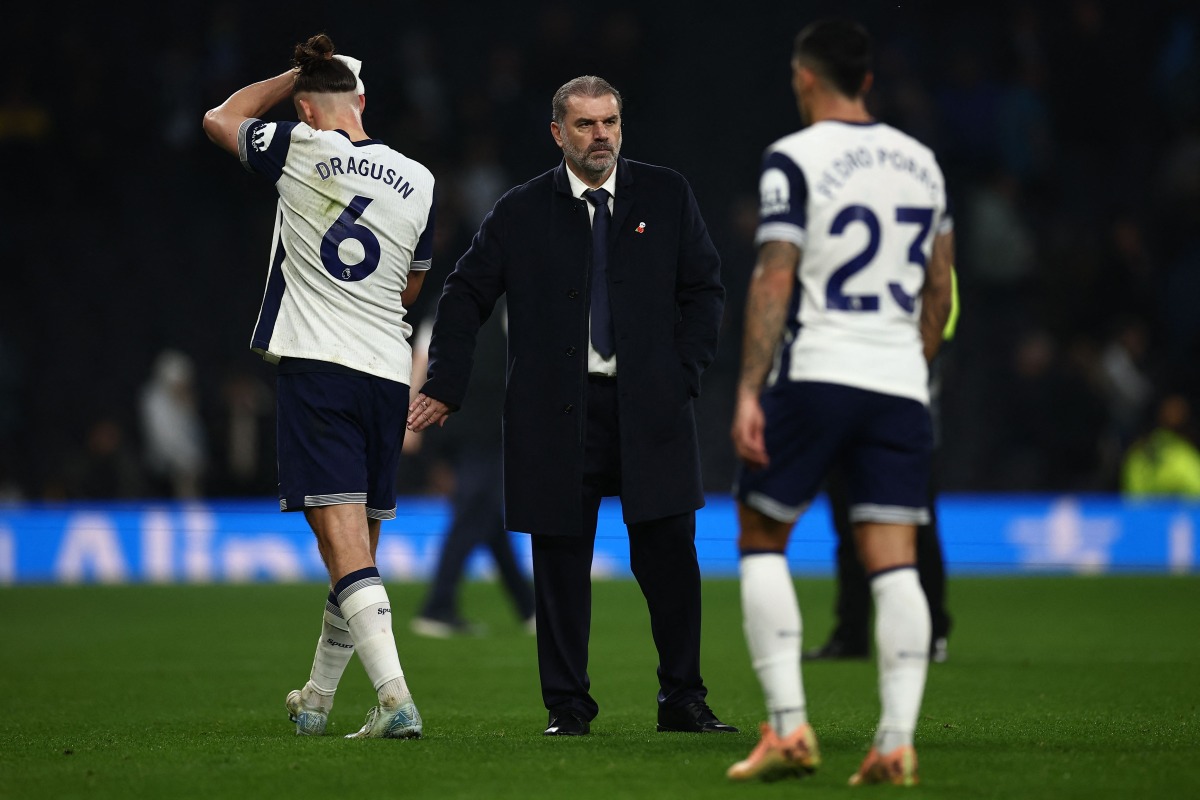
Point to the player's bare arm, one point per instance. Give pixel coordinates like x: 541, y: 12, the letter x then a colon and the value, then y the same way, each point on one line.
x: 416, y: 279
x: 221, y: 123
x: 937, y: 294
x: 766, y: 314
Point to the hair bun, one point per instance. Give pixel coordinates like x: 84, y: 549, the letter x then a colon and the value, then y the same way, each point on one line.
x: 317, y: 49
x: 319, y: 71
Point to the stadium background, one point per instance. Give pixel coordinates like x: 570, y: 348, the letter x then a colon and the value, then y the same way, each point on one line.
x: 1069, y: 134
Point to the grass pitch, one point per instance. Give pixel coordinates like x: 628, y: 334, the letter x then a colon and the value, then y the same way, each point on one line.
x: 1055, y: 688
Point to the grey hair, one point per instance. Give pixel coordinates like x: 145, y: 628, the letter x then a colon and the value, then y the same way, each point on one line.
x: 583, y: 86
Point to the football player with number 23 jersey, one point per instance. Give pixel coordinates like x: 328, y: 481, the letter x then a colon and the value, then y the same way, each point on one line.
x: 846, y: 307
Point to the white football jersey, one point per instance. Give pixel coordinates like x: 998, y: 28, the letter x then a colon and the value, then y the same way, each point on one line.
x: 863, y: 203
x: 354, y: 219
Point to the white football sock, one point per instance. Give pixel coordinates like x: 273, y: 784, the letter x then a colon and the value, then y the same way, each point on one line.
x: 771, y: 620
x: 335, y: 647
x: 902, y: 630
x: 368, y: 613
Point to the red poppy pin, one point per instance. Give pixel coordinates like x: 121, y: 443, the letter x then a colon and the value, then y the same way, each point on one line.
x: 641, y: 228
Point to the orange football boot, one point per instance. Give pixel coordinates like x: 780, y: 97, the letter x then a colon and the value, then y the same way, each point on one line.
x: 778, y: 757
x: 898, y: 768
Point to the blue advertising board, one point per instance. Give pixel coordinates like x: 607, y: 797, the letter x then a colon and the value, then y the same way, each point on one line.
x: 250, y: 540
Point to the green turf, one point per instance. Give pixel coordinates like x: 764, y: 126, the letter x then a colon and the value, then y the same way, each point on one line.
x: 1056, y: 687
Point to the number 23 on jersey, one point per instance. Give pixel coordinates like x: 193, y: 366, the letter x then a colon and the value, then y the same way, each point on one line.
x: 835, y: 298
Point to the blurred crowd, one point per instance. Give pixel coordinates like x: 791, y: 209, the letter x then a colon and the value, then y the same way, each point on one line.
x: 136, y: 252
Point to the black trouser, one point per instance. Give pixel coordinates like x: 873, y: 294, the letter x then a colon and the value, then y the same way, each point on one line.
x: 662, y: 554
x: 853, y: 605
x: 477, y: 519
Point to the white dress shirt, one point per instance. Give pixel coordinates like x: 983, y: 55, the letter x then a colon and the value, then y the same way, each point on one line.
x: 597, y: 364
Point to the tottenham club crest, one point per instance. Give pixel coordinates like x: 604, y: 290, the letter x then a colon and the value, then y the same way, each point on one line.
x: 774, y: 193
x: 260, y: 138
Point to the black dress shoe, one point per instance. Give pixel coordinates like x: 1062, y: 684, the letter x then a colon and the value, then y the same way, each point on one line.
x: 566, y: 723
x: 694, y: 717
x: 837, y: 650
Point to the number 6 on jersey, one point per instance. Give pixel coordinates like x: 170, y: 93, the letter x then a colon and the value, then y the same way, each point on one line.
x: 347, y: 226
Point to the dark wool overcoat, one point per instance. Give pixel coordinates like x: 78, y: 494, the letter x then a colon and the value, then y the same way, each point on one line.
x: 666, y: 297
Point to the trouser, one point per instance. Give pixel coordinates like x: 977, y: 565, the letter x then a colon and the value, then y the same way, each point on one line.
x: 662, y: 554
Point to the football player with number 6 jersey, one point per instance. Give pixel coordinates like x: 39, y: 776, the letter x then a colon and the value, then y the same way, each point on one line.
x: 353, y: 239
x: 846, y: 307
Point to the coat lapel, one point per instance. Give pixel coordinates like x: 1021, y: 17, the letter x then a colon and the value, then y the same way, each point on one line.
x: 622, y: 200
x: 562, y: 185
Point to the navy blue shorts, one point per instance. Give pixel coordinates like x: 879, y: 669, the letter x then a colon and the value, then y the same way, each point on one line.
x: 883, y: 440
x: 339, y: 439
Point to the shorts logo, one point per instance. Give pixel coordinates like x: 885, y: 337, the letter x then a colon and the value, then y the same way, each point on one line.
x: 261, y: 138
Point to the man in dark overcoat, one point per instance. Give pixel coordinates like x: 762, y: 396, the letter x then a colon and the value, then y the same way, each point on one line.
x: 614, y: 302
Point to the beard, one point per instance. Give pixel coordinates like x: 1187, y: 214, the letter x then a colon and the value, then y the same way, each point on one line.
x: 596, y: 160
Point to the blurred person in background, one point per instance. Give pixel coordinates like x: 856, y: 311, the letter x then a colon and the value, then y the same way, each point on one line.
x: 1050, y: 418
x: 105, y: 468
x: 1128, y: 385
x: 473, y: 444
x: 172, y: 430
x: 245, y: 437
x: 354, y: 239
x: 1165, y: 462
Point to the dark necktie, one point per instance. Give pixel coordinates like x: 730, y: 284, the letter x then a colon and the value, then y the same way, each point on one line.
x: 602, y: 332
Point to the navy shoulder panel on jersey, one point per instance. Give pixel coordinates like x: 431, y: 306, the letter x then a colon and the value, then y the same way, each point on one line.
x: 424, y: 249
x: 263, y: 146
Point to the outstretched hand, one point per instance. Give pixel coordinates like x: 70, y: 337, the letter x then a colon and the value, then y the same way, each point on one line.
x: 426, y: 411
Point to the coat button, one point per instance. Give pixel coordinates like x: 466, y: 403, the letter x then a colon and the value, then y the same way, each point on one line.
x: 572, y: 293
x: 568, y: 408
x: 570, y: 351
